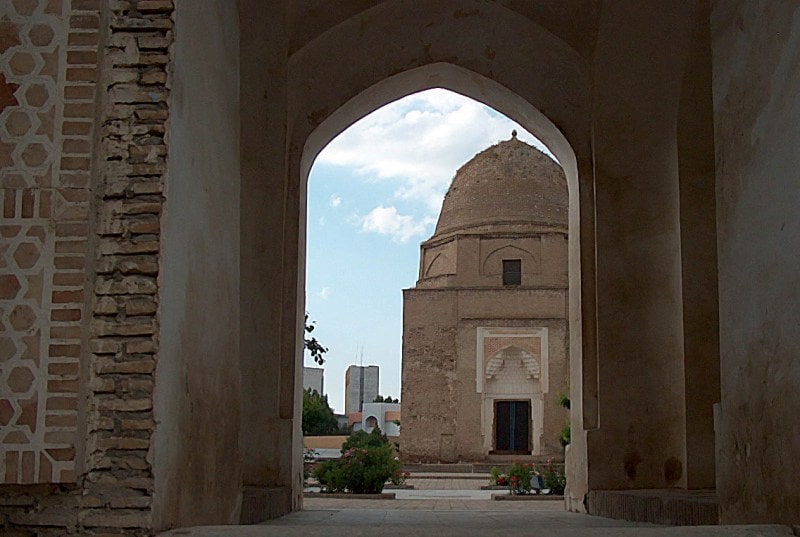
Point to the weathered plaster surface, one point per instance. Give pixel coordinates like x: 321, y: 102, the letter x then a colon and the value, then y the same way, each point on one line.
x: 640, y: 439
x: 271, y: 305
x: 757, y: 131
x: 197, y: 399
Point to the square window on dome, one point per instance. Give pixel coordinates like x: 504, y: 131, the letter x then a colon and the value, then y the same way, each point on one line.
x: 512, y: 271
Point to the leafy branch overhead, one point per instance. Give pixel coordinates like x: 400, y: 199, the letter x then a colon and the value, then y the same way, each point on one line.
x: 312, y: 345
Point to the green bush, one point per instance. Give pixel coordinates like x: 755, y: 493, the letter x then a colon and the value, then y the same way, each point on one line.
x: 565, y: 435
x: 330, y: 476
x: 495, y: 475
x: 360, y: 439
x: 367, y: 463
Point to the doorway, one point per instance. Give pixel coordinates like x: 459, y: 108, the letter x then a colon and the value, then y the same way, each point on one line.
x: 512, y: 427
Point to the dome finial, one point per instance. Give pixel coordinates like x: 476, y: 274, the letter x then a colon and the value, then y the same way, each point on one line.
x: 514, y: 133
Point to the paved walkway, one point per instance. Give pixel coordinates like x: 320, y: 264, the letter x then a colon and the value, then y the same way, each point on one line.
x: 455, y: 517
x: 452, y: 505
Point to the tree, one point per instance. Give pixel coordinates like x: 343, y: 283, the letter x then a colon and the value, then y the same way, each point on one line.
x: 387, y: 399
x: 318, y: 418
x: 312, y: 345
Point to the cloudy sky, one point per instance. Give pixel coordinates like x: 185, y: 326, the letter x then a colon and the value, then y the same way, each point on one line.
x: 374, y: 194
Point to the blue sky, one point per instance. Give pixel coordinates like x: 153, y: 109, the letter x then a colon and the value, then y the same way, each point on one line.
x: 374, y: 193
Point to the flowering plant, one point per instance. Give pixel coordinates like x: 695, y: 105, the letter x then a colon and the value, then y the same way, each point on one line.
x: 399, y: 477
x: 497, y: 479
x: 518, y: 480
x: 554, y: 478
x: 520, y: 475
x: 309, y: 456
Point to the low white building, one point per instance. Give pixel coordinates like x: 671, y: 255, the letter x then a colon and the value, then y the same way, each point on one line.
x: 384, y: 415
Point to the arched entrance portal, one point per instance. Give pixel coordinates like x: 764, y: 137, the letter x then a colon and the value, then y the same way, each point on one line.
x: 303, y: 85
x: 321, y: 99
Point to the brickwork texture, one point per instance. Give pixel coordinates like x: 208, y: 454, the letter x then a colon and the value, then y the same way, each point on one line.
x: 79, y: 260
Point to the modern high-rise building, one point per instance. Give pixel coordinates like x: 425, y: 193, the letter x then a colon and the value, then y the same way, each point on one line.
x: 313, y: 378
x: 360, y: 386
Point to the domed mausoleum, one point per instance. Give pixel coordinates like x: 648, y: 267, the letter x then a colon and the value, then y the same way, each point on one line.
x: 485, y: 328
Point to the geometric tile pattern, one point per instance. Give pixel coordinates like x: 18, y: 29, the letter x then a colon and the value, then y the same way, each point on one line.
x: 66, y: 330
x: 46, y: 118
x: 24, y: 323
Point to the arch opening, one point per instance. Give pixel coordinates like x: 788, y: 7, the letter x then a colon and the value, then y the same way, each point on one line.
x: 477, y: 87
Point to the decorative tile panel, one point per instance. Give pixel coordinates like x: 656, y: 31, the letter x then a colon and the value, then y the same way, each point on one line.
x: 47, y: 87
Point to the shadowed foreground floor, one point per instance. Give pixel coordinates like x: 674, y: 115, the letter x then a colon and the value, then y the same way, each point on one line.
x: 456, y: 517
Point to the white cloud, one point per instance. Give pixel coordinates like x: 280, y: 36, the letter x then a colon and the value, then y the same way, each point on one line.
x: 335, y: 201
x: 387, y: 221
x: 324, y: 293
x: 419, y: 142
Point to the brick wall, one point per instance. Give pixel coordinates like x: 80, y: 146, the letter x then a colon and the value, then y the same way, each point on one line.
x: 79, y: 260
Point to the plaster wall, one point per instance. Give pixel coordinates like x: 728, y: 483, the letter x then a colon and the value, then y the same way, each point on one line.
x: 196, y: 457
x: 639, y: 441
x: 699, y: 259
x: 756, y: 53
x: 272, y: 241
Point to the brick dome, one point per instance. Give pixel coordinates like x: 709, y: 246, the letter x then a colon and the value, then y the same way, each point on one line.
x: 510, y: 183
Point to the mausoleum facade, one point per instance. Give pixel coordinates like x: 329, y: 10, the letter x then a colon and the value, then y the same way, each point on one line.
x: 485, y: 333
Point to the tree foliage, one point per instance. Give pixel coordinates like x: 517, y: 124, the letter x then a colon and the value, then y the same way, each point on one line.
x: 318, y: 418
x: 312, y: 345
x: 362, y: 439
x: 387, y: 399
